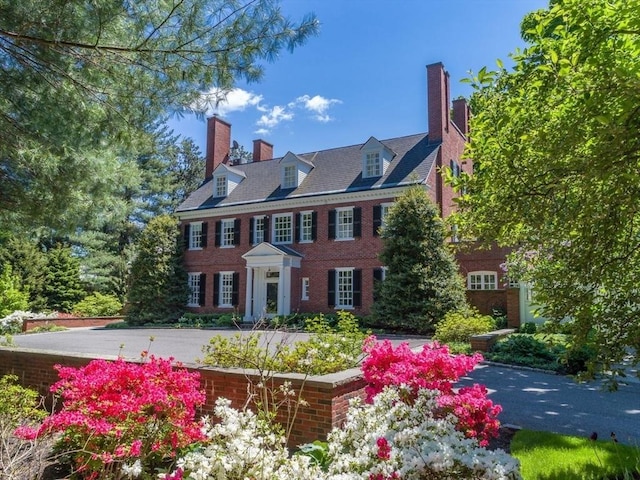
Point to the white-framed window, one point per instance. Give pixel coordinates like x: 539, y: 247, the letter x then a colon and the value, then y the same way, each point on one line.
x: 258, y: 230
x: 344, y: 288
x: 372, y: 165
x: 306, y: 226
x: 193, y: 279
x: 226, y: 290
x: 513, y: 282
x: 482, y: 280
x: 344, y: 224
x: 289, y: 176
x: 226, y: 232
x: 220, y: 186
x: 384, y: 211
x: 282, y: 231
x: 195, y: 236
x: 305, y: 289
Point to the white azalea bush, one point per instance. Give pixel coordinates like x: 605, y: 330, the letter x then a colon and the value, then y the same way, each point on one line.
x: 242, y: 446
x: 388, y: 439
x: 395, y: 439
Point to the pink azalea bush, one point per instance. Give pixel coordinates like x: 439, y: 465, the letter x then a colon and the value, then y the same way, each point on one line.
x: 116, y: 415
x: 433, y: 368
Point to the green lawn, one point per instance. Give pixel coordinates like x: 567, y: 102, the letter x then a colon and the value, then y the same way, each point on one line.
x: 549, y: 456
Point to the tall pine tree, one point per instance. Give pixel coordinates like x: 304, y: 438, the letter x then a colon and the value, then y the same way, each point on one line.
x: 422, y: 282
x: 158, y: 290
x: 63, y: 288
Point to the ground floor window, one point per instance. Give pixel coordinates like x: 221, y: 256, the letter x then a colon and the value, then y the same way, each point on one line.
x: 482, y: 281
x: 196, y: 286
x: 345, y: 288
x: 225, y: 289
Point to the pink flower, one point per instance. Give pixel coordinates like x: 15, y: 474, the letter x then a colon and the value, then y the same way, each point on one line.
x: 25, y: 432
x: 384, y: 449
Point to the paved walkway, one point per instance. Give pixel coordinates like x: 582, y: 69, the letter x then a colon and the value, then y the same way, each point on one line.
x: 530, y: 399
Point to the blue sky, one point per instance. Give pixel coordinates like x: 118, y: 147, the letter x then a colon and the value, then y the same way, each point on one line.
x: 364, y: 74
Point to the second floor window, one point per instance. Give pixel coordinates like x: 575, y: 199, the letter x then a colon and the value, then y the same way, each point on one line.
x: 258, y: 230
x: 195, y: 236
x: 227, y: 233
x: 344, y: 224
x: 282, y: 228
x: 306, y: 227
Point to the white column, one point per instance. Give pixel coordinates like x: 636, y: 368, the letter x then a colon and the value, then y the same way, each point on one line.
x: 248, y: 304
x: 281, y: 295
x: 286, y: 297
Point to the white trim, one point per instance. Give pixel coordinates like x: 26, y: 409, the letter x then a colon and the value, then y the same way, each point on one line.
x: 482, y: 274
x: 191, y: 225
x: 193, y: 293
x: 304, y: 289
x: 291, y: 203
x: 272, y: 225
x: 220, y: 291
x: 343, y: 307
x: 299, y: 227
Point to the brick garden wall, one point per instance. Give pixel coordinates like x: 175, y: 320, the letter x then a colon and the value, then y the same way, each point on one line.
x: 75, y: 322
x: 327, y: 396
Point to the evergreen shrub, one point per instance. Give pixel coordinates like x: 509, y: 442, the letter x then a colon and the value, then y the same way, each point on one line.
x: 459, y: 326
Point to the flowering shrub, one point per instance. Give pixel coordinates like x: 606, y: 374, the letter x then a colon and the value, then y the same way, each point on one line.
x: 393, y: 438
x: 12, y: 323
x: 242, y: 446
x: 119, y: 417
x: 433, y: 368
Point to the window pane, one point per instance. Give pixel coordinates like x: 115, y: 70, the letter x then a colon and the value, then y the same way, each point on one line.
x: 194, y: 289
x: 372, y: 165
x: 282, y: 229
x: 344, y: 288
x: 195, y: 240
x: 344, y: 224
x: 306, y: 227
x: 221, y: 186
x: 226, y: 289
x: 289, y: 180
x: 258, y: 230
x: 226, y: 239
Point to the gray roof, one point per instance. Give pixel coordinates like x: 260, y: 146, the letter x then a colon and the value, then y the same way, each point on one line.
x: 337, y: 170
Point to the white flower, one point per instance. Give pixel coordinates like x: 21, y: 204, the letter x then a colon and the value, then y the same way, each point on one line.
x: 132, y: 471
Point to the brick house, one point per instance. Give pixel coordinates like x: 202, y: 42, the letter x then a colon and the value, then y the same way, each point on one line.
x: 272, y: 236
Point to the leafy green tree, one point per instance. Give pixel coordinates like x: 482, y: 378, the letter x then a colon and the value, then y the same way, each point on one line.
x: 29, y: 264
x: 81, y: 86
x: 422, y: 282
x: 158, y: 289
x: 63, y: 287
x: 11, y: 297
x: 97, y: 305
x: 556, y: 150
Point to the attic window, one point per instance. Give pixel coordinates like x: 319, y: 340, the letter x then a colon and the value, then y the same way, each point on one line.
x: 372, y: 165
x: 289, y: 176
x: 221, y: 186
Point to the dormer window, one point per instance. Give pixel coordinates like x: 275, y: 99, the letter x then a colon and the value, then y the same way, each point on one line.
x: 293, y: 170
x: 376, y: 158
x: 289, y: 176
x: 372, y: 165
x: 221, y: 186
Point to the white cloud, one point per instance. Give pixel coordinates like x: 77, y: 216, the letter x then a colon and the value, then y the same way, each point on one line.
x: 276, y: 115
x: 216, y: 101
x: 318, y: 105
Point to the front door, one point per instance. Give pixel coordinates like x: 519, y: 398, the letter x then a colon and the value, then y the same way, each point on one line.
x: 272, y: 297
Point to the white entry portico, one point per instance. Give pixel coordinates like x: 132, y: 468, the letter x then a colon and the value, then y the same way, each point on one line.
x: 269, y: 280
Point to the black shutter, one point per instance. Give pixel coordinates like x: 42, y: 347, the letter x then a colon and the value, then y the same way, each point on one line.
x: 218, y: 232
x: 377, y: 274
x: 357, y: 222
x: 235, y: 289
x: 332, y: 288
x: 297, y: 228
x: 314, y: 226
x: 236, y: 231
x: 266, y: 229
x: 332, y: 224
x: 252, y: 229
x: 204, y: 234
x: 377, y: 219
x: 357, y: 288
x: 203, y: 288
x: 216, y: 289
x: 187, y: 232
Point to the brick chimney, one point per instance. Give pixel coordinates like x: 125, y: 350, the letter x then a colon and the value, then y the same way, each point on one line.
x: 437, y: 101
x: 218, y: 144
x: 262, y: 150
x: 461, y: 114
